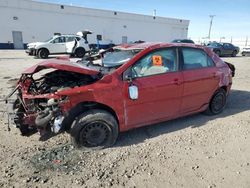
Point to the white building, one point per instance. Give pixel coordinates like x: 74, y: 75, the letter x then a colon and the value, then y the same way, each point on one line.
x: 24, y: 21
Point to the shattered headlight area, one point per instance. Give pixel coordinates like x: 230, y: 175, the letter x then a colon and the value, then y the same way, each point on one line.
x: 38, y: 106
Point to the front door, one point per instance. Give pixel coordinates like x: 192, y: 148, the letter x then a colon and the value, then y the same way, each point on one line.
x: 159, y: 89
x: 58, y: 45
x: 17, y: 39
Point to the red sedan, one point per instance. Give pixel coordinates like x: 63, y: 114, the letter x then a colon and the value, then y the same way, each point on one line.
x: 122, y: 88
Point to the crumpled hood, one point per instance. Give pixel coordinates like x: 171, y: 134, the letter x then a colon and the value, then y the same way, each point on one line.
x: 59, y: 64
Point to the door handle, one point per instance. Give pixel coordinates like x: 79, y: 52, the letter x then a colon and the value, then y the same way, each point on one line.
x: 176, y: 81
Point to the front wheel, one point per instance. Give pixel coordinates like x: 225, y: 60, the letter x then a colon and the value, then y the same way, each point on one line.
x: 217, y: 103
x: 43, y: 53
x: 94, y: 129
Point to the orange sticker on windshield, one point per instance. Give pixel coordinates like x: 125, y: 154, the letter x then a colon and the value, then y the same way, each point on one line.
x: 157, y: 60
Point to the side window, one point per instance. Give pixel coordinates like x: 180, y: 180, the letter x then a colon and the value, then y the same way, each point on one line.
x: 70, y: 39
x: 195, y: 58
x: 157, y: 62
x: 59, y: 40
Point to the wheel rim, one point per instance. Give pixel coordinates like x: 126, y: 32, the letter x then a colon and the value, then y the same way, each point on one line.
x: 43, y: 54
x: 95, y: 134
x: 218, y: 103
x: 80, y: 53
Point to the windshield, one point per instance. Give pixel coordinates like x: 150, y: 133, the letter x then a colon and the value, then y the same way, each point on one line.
x: 214, y: 44
x: 118, y: 57
x: 49, y: 39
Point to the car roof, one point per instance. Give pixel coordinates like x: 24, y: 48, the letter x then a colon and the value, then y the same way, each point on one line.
x: 156, y: 45
x: 66, y: 35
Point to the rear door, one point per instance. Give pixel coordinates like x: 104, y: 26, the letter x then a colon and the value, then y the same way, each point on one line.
x: 71, y: 43
x: 159, y: 88
x: 228, y: 48
x: 200, y: 79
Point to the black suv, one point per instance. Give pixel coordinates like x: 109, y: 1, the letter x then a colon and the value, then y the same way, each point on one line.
x: 222, y: 49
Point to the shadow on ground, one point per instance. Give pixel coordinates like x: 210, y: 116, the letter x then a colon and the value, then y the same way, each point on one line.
x: 238, y: 101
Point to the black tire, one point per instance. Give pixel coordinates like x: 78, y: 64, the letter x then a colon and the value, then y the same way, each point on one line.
x: 218, y: 52
x: 217, y: 103
x: 234, y: 53
x: 94, y: 129
x: 243, y: 54
x: 43, y: 53
x: 80, y: 52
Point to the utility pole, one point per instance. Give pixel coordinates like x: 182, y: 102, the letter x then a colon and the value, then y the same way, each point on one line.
x: 211, y: 23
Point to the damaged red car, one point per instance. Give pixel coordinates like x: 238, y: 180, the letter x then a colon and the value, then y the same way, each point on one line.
x: 125, y: 87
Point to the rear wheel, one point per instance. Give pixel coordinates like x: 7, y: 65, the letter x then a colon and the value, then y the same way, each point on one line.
x: 217, y: 103
x: 234, y: 53
x: 80, y: 52
x: 94, y: 129
x: 43, y: 53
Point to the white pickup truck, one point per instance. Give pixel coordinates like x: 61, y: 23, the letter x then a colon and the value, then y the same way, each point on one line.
x: 76, y: 45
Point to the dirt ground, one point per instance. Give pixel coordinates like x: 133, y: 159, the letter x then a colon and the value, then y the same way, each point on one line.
x: 195, y: 151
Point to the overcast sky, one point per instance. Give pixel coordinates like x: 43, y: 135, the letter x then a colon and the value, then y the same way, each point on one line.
x: 232, y: 17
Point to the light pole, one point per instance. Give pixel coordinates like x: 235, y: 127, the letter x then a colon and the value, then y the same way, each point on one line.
x: 211, y: 23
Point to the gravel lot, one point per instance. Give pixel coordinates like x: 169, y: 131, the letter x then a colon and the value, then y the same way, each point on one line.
x: 195, y: 151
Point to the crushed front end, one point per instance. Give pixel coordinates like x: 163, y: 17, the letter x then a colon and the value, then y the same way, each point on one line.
x: 38, y: 105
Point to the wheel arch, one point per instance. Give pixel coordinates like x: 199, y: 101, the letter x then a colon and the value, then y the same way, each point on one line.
x: 42, y: 48
x: 84, y: 106
x: 225, y: 88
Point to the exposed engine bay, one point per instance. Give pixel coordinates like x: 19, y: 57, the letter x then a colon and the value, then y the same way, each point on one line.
x: 59, y: 80
x: 38, y: 107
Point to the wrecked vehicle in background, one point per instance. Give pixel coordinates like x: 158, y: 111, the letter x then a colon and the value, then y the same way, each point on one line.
x: 245, y: 51
x: 126, y: 87
x: 76, y: 45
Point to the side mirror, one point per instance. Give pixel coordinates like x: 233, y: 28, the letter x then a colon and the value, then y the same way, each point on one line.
x: 133, y: 92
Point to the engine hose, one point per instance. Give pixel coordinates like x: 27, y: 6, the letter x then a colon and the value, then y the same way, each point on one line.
x: 44, y: 118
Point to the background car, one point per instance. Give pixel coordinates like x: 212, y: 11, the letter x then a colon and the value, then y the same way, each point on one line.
x: 245, y: 51
x: 222, y: 49
x: 183, y: 41
x: 59, y: 44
